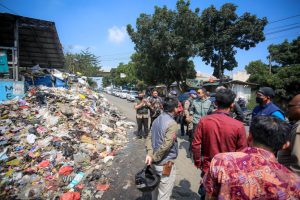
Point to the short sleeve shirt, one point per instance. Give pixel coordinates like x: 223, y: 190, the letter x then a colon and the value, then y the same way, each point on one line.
x: 253, y: 173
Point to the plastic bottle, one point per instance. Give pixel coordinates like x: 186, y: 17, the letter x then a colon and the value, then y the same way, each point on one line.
x: 76, y: 180
x: 108, y: 149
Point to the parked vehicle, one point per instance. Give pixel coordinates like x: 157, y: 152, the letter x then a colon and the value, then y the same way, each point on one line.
x: 132, y: 95
x: 123, y: 94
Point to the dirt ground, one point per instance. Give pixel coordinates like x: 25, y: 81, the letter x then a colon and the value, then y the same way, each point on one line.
x: 131, y: 160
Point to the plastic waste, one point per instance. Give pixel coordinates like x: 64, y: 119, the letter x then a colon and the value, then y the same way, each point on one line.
x: 103, y: 187
x: 65, y: 170
x: 70, y: 196
x: 76, y: 180
x: 81, y: 157
x: 14, y: 162
x: 108, y: 149
x: 3, y: 155
x: 44, y: 164
x: 31, y: 138
x: 108, y: 158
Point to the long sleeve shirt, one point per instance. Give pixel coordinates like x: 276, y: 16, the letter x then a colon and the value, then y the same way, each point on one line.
x: 170, y: 136
x: 217, y: 133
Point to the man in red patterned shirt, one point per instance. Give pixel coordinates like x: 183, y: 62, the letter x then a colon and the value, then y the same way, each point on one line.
x: 254, y: 173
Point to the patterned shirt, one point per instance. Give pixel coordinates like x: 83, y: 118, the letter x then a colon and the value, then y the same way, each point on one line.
x: 253, y: 173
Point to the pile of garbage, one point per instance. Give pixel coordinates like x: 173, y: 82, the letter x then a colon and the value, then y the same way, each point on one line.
x: 58, y: 144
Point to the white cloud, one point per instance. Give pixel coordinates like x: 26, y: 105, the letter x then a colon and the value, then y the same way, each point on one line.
x: 117, y: 35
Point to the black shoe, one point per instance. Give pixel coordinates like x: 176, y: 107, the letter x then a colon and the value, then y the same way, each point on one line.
x: 189, y: 155
x: 139, y: 137
x: 145, y: 136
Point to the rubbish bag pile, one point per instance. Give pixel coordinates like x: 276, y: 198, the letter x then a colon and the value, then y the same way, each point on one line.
x: 57, y: 143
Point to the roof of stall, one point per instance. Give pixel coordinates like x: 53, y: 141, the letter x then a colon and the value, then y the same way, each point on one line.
x: 38, y: 41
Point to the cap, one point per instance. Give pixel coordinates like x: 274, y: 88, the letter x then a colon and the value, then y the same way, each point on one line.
x: 193, y: 92
x: 267, y: 91
x: 173, y: 92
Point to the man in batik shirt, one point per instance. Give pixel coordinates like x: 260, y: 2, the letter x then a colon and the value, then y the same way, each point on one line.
x: 254, y: 173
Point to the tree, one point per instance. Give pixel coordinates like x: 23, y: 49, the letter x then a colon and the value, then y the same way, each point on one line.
x: 286, y: 53
x: 84, y: 62
x: 115, y: 75
x: 285, y: 79
x: 259, y: 72
x: 164, y: 44
x: 223, y: 32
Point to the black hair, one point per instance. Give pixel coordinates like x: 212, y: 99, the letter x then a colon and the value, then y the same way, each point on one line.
x: 224, y: 98
x: 170, y: 104
x: 203, y: 89
x: 270, y: 131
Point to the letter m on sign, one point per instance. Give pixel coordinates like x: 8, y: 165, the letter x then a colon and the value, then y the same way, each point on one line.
x: 7, y: 88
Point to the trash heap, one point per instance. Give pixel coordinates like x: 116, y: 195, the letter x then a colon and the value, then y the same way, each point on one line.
x: 58, y: 144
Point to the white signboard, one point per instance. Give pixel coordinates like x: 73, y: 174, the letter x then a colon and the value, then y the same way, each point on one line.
x: 122, y: 75
x: 18, y: 88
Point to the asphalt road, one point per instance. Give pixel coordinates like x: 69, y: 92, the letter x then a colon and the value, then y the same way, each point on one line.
x: 132, y: 160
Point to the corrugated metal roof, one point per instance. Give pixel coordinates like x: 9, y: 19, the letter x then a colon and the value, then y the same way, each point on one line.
x: 38, y: 41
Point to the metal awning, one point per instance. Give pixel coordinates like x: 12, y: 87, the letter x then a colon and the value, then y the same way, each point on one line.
x: 38, y: 41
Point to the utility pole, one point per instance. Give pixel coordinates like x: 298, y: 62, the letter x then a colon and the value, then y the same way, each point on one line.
x: 270, y: 64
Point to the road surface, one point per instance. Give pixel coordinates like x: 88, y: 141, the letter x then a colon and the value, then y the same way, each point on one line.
x: 132, y: 158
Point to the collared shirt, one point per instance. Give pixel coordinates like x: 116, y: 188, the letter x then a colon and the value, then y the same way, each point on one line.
x: 253, y: 173
x: 199, y: 108
x: 170, y: 137
x: 268, y: 109
x: 155, y: 105
x: 291, y: 157
x: 141, y: 112
x: 217, y: 133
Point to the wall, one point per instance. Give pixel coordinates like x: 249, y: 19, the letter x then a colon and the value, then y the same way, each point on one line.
x: 243, y: 91
x: 9, y: 89
x: 98, y: 80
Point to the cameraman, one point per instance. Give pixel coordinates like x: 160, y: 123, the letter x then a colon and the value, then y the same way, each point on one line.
x: 154, y: 102
x: 142, y: 116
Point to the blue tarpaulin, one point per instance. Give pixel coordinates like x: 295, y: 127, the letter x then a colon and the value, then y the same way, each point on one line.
x: 41, y: 80
x: 60, y: 83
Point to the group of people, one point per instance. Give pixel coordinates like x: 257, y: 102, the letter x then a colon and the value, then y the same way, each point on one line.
x: 262, y: 165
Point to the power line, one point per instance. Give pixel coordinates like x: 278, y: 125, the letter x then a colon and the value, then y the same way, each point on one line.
x: 8, y: 8
x: 283, y: 36
x: 279, y: 20
x: 283, y: 30
x: 283, y: 26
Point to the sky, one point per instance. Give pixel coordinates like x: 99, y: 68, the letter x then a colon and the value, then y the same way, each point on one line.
x: 101, y: 25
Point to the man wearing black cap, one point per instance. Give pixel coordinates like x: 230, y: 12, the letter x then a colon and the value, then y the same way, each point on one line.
x: 266, y: 106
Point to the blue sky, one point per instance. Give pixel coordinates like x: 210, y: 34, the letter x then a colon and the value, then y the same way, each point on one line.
x: 101, y: 25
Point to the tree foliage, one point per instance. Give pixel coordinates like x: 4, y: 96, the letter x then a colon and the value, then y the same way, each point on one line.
x: 286, y: 53
x: 84, y: 62
x: 129, y: 70
x: 285, y: 79
x: 259, y: 72
x: 224, y: 31
x: 164, y: 42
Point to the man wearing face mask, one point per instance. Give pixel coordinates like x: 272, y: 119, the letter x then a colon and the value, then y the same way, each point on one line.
x: 142, y: 116
x: 266, y: 106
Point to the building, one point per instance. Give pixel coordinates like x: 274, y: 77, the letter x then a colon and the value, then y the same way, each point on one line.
x: 24, y: 43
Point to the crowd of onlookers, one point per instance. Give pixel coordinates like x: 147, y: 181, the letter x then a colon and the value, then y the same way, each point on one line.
x: 261, y: 164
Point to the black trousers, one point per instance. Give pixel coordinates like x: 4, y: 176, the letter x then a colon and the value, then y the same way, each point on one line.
x: 142, y: 122
x: 152, y: 119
